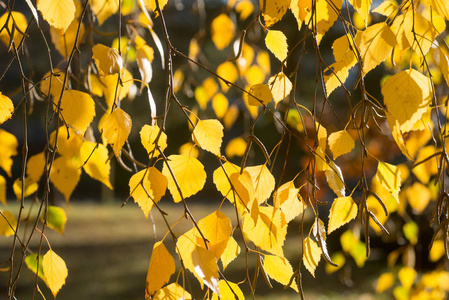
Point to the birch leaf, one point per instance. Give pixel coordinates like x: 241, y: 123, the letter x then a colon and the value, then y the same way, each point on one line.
x: 335, y: 180
x: 65, y: 175
x: 206, y: 267
x: 208, y: 134
x: 263, y: 182
x: 390, y: 177
x: 259, y: 95
x: 3, y: 190
x: 279, y: 269
x: 56, y: 218
x: 77, y: 109
x: 281, y: 87
x: 340, y: 143
x: 5, y: 226
x: 362, y: 7
x: 103, y: 9
x: 6, y: 108
x: 107, y: 60
x: 276, y: 42
x: 55, y: 271
x: 116, y: 129
x: 273, y: 11
x: 172, y: 291
x: 311, y: 255
x: 231, y: 251
x: 217, y: 229
x: 222, y: 31
x: 96, y: 163
x: 148, y: 135
x: 32, y: 263
x: 20, y: 21
x: 342, y: 211
x: 58, y: 13
x: 162, y: 266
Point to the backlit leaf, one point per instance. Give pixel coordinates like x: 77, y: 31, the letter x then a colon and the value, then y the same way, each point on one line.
x: 362, y: 7
x: 155, y: 185
x: 419, y: 32
x: 65, y: 43
x: 235, y: 147
x: 185, y: 246
x: 222, y: 31
x: 231, y: 251
x: 107, y: 85
x: 57, y: 80
x: 171, y: 292
x: 335, y: 180
x: 245, y: 8
x: 385, y: 281
x: 6, y: 108
x: 77, y: 109
x: 217, y: 229
x: 58, y: 13
x: 55, y: 271
x: 229, y: 290
x: 263, y: 182
x: 208, y: 134
x: 340, y: 143
x: 20, y: 21
x: 259, y: 94
x: 243, y: 191
x: 442, y: 8
x: 437, y: 251
x: 279, y: 269
x: 103, y: 9
x: 32, y: 264
x: 386, y: 8
x: 30, y: 188
x: 281, y: 87
x: 3, y: 190
x: 69, y: 142
x: 206, y: 267
x: 56, y: 218
x: 5, y: 225
x: 276, y: 42
x: 162, y: 266
x: 116, y: 129
x: 397, y: 135
x: 375, y: 44
x: 407, y: 95
x: 151, y: 4
x: 311, y: 255
x: 189, y: 173
x: 390, y: 177
x: 220, y: 105
x: 407, y: 276
x: 8, y: 144
x: 418, y: 196
x: 342, y: 211
x: 148, y: 135
x: 96, y: 163
x: 273, y: 11
x: 427, y: 169
x: 65, y: 175
x: 229, y: 72
x: 222, y: 177
x: 107, y: 60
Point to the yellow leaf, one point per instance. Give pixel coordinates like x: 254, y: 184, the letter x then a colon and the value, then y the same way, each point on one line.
x: 407, y: 276
x: 229, y: 290
x: 217, y: 229
x: 56, y: 79
x: 397, y: 135
x: 69, y: 142
x: 269, y: 231
x: 189, y: 175
x: 148, y: 135
x: 254, y: 75
x: 385, y: 281
x: 107, y: 60
x: 418, y: 196
x: 243, y: 191
x: 273, y: 11
x: 340, y: 143
x: 185, y: 246
x: 58, y: 13
x: 56, y: 218
x: 220, y: 105
x: 259, y: 95
x: 231, y: 251
x: 8, y: 146
x: 77, y: 109
x: 386, y: 8
x: 144, y: 57
x: 116, y: 129
x: 362, y: 7
x: 279, y: 269
x: 339, y: 259
x: 444, y: 64
x: 205, y: 267
x: 151, y: 4
x: 358, y: 252
x: 375, y: 207
x: 222, y: 178
x: 5, y: 225
x: 335, y: 179
x: 162, y: 266
x: 276, y: 42
x: 55, y: 271
x: 348, y: 240
x: 30, y: 188
x: 189, y: 149
x: 32, y: 263
x: 437, y: 251
x: 281, y: 87
x: 375, y: 44
x: 19, y: 20
x: 3, y: 190
x: 65, y: 175
x: 155, y: 185
x: 442, y: 8
x: 245, y: 8
x: 428, y: 168
x: 65, y: 43
x: 390, y: 178
x: 291, y: 202
x: 342, y: 211
x: 6, y: 108
x: 103, y: 9
x: 235, y: 147
x: 411, y: 232
x: 407, y: 95
x: 96, y: 163
x: 311, y: 255
x: 208, y: 134
x: 231, y: 116
x: 107, y: 85
x: 424, y: 31
x: 171, y: 292
x: 229, y: 72
x: 263, y: 182
x: 222, y: 31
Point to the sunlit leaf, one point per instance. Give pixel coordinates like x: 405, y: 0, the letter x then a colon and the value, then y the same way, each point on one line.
x: 419, y: 32
x: 335, y: 180
x: 397, y: 135
x: 8, y: 226
x: 217, y: 229
x: 348, y: 241
x: 77, y: 109
x: 385, y: 281
x: 437, y: 251
x: 189, y: 175
x: 311, y: 255
x: 259, y: 94
x: 56, y: 218
x: 231, y: 251
x: 32, y: 263
x: 442, y: 8
x: 65, y: 43
x: 29, y: 188
x: 58, y: 13
x: 222, y: 178
x: 340, y: 142
x: 418, y: 196
x: 386, y: 8
x: 171, y: 292
x: 69, y: 142
x: 376, y: 208
x: 342, y: 211
x: 103, y: 9
x: 208, y: 134
x: 407, y: 276
x: 151, y: 4
x: 281, y: 87
x: 162, y: 266
x: 107, y: 86
x: 96, y: 163
x: 220, y: 105
x: 155, y: 185
x: 55, y: 271
x: 206, y: 267
x: 276, y: 42
x: 263, y: 182
x: 19, y: 20
x: 6, y: 108
x: 36, y: 167
x: 229, y: 72
x: 279, y: 269
x: 107, y: 60
x: 148, y: 135
x: 222, y: 31
x: 362, y: 7
x: 116, y: 129
x: 273, y: 11
x: 235, y: 147
x: 3, y: 190
x: 428, y: 168
x: 8, y: 146
x: 229, y: 290
x: 65, y: 175
x: 390, y: 177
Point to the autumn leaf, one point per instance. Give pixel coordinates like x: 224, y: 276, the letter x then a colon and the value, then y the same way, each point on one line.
x: 29, y: 188
x: 419, y: 32
x: 340, y: 143
x: 220, y: 105
x: 229, y: 290
x: 208, y: 134
x: 221, y: 178
x: 103, y: 9
x: 151, y: 4
x: 362, y: 7
x: 342, y: 211
x: 263, y: 182
x: 58, y: 13
x: 235, y: 147
x: 407, y: 276
x: 65, y: 175
x: 56, y: 218
x: 229, y: 72
x: 68, y: 142
x: 55, y: 271
x: 418, y: 197
x: 259, y: 94
x: 31, y: 262
x: 6, y: 108
x: 96, y: 163
x: 390, y: 177
x: 279, y: 269
x: 273, y: 11
x: 230, y: 253
x: 148, y: 136
x: 442, y: 8
x: 154, y: 187
x: 335, y: 179
x: 385, y: 281
x: 188, y: 175
x: 276, y: 42
x: 172, y: 291
x: 3, y: 190
x: 8, y: 225
x: 8, y: 146
x: 116, y: 129
x: 281, y: 87
x: 205, y: 267
x: 77, y: 109
x: 107, y: 86
x: 217, y: 229
x: 386, y: 8
x: 222, y: 31
x: 19, y: 20
x: 107, y: 60
x: 162, y: 266
x: 311, y: 255
x: 65, y: 43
